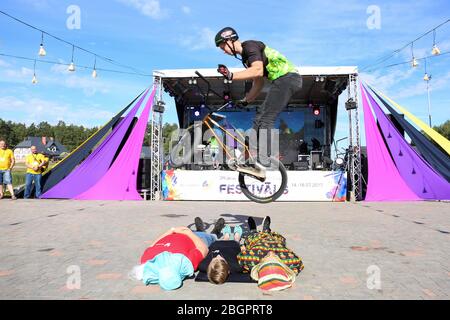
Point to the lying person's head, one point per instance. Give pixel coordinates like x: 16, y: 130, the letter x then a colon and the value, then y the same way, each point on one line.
x: 218, y: 270
x: 166, y: 269
x: 272, y: 273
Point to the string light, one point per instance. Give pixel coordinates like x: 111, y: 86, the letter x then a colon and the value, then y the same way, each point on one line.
x: 435, y: 51
x: 78, y: 66
x: 42, y: 51
x: 94, y: 72
x: 426, y: 77
x: 72, y: 65
x: 34, y: 80
x: 109, y: 60
x: 414, y: 62
x: 395, y: 52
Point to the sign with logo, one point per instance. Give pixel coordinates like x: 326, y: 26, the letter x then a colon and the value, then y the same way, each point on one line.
x: 224, y: 185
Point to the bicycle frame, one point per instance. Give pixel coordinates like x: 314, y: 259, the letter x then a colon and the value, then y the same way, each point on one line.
x: 207, y: 120
x: 211, y: 123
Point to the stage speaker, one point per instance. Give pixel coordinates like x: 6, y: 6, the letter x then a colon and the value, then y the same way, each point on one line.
x: 143, y: 178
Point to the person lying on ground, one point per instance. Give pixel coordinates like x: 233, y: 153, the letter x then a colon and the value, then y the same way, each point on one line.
x: 268, y: 249
x: 221, y: 261
x: 174, y: 256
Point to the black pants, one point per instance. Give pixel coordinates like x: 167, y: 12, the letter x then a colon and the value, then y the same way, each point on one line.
x: 280, y: 92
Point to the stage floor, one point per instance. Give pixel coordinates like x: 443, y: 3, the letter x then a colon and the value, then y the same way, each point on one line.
x: 44, y: 242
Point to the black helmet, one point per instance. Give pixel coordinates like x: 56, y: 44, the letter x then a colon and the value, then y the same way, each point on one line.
x: 225, y: 34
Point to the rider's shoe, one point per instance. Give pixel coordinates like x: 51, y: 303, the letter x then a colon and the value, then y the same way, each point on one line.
x: 266, y: 224
x: 218, y: 226
x: 257, y: 170
x: 199, y: 225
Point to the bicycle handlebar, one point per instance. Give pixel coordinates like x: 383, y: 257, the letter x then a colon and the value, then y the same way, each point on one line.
x: 208, y: 83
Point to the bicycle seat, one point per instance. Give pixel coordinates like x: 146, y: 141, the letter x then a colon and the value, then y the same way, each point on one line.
x: 218, y: 116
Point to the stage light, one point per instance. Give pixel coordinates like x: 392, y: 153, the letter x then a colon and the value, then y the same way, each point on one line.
x: 350, y: 104
x: 159, y: 107
x: 316, y: 111
x: 42, y: 51
x: 226, y: 95
x: 317, y: 79
x: 427, y: 77
x: 322, y: 79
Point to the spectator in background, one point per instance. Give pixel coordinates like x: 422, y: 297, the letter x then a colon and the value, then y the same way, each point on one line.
x: 7, y: 162
x: 36, y: 164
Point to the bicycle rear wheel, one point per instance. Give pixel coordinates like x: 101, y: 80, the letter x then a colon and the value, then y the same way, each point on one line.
x: 271, y: 189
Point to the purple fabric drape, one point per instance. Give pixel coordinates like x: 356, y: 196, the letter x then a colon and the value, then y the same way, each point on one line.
x: 96, y: 164
x: 384, y: 181
x: 419, y: 176
x: 119, y: 183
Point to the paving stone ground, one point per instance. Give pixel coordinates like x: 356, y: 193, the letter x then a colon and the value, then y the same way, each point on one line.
x: 44, y: 245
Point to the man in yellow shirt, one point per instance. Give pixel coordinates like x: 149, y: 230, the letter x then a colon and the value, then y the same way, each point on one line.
x: 7, y: 162
x: 36, y: 164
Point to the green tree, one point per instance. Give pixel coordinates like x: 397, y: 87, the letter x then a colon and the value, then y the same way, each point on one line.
x: 444, y: 129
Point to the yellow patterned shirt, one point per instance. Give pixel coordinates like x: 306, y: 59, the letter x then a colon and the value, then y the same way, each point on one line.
x: 35, y: 160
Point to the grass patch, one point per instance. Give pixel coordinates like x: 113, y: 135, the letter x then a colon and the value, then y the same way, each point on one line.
x: 18, y: 176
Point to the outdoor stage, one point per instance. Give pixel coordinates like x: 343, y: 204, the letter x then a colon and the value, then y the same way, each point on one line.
x: 306, y: 127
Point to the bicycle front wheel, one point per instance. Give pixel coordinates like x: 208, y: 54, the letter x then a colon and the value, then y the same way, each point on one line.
x: 271, y: 189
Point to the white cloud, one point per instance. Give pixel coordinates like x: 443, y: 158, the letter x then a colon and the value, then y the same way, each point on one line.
x: 203, y: 40
x: 186, y: 9
x: 386, y: 81
x: 4, y: 64
x: 419, y: 88
x: 149, y: 8
x: 38, y: 110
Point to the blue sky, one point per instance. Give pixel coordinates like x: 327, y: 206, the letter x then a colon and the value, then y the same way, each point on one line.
x: 156, y: 34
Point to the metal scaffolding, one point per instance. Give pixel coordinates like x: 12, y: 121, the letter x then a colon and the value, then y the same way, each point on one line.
x: 354, y: 139
x: 155, y: 146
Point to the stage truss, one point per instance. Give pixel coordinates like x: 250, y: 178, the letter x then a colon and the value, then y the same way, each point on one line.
x: 155, y: 144
x: 354, y: 139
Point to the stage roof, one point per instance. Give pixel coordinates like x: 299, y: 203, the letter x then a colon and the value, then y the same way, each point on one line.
x: 176, y: 82
x: 321, y: 86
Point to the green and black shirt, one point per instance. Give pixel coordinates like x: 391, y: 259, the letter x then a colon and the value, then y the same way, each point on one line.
x: 275, y: 64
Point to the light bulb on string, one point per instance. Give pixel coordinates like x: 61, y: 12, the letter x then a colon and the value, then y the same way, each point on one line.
x: 435, y: 51
x: 42, y: 51
x: 94, y: 72
x: 426, y: 77
x: 72, y: 65
x: 34, y: 80
x: 414, y: 62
